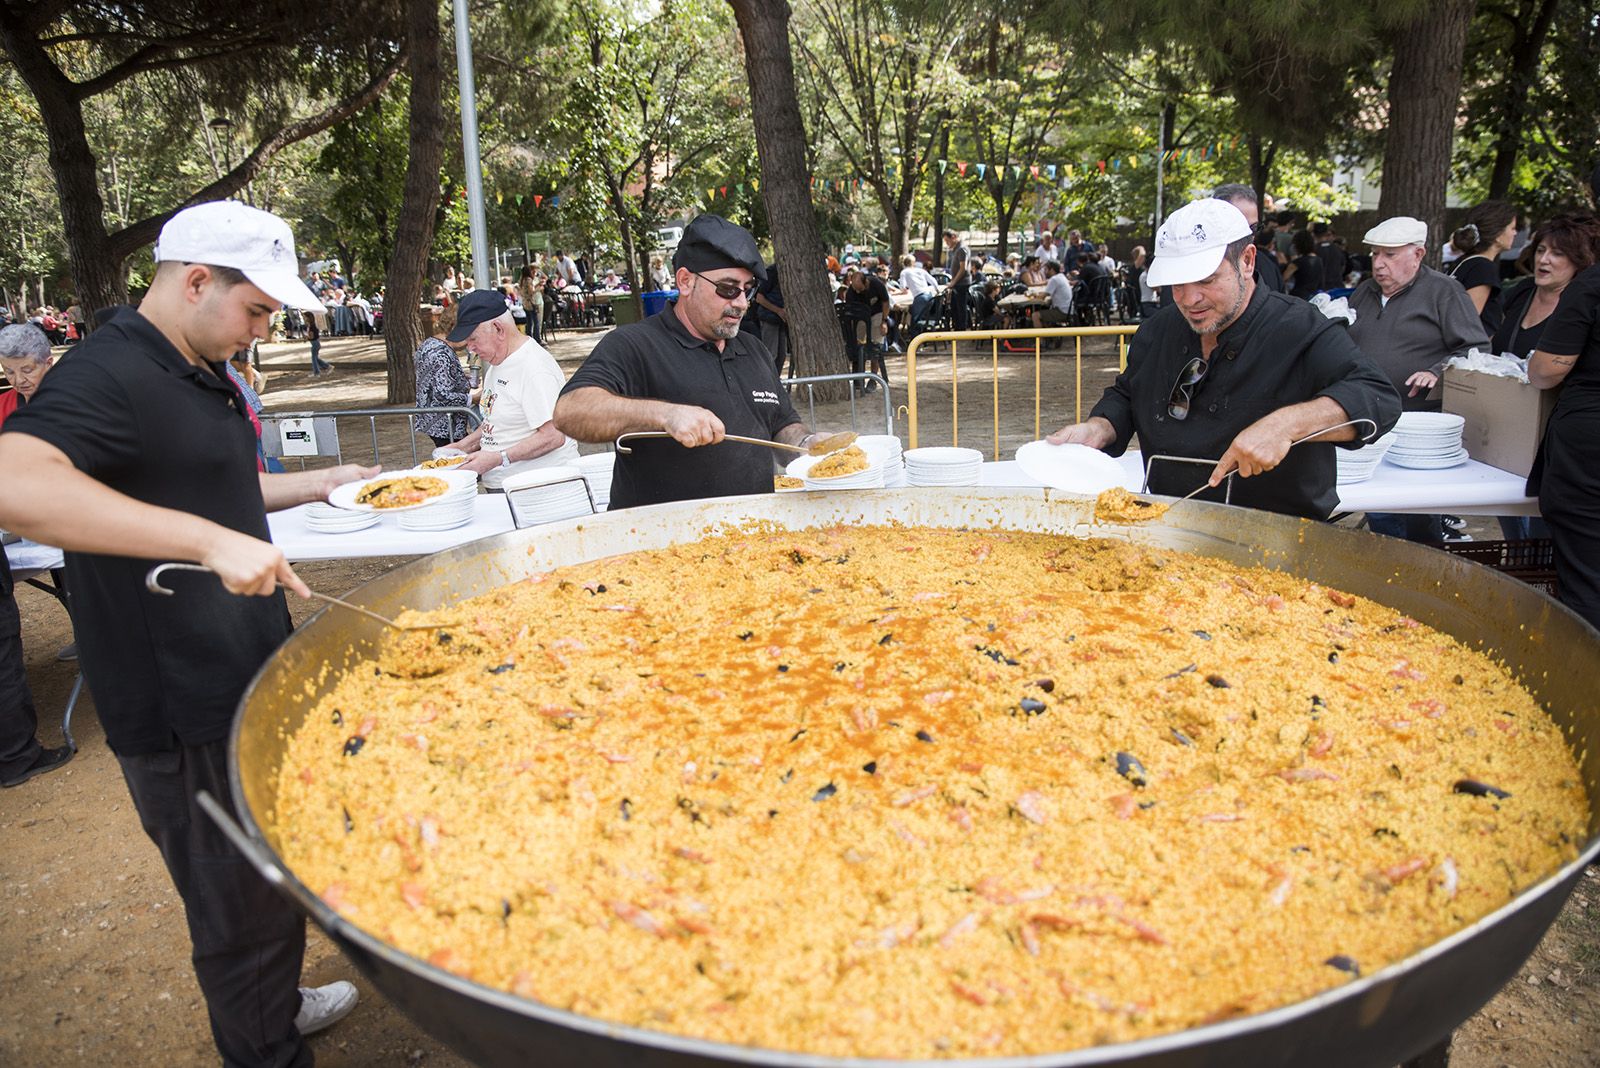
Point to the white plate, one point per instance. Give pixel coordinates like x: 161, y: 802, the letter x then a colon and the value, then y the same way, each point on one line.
x: 1432, y: 464
x: 1430, y: 423
x: 1073, y: 468
x: 942, y: 455
x: 345, y: 496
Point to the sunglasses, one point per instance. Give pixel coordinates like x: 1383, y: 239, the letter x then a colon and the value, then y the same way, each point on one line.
x: 1189, y: 379
x: 730, y: 290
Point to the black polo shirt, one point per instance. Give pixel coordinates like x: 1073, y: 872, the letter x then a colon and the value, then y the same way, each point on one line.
x: 128, y: 410
x: 1281, y: 351
x: 659, y: 359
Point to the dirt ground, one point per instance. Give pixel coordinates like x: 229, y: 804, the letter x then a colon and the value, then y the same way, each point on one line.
x: 93, y: 944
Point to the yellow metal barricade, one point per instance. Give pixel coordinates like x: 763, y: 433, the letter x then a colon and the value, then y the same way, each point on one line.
x: 994, y: 338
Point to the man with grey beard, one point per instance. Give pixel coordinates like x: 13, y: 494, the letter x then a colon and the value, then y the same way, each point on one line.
x: 688, y: 371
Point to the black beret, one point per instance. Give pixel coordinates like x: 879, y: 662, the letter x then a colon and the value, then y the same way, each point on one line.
x: 711, y: 242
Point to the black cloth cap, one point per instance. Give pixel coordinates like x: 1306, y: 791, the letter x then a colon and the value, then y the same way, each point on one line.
x: 476, y: 308
x: 711, y: 242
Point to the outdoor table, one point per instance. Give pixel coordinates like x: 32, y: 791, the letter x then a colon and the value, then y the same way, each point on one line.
x: 491, y: 515
x: 1471, y: 489
x: 30, y: 562
x: 1032, y: 298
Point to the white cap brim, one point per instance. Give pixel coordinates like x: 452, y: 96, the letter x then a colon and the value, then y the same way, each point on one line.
x: 1172, y: 270
x: 285, y: 288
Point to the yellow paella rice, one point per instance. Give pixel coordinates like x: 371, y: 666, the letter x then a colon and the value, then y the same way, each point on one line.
x: 443, y: 461
x: 401, y: 491
x: 781, y: 482
x: 838, y: 464
x: 1117, y: 505
x: 922, y: 793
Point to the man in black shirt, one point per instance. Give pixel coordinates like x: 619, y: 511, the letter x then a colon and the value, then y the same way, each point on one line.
x: 865, y: 296
x: 1241, y: 196
x: 957, y: 263
x: 1234, y: 374
x: 139, y: 448
x: 689, y: 371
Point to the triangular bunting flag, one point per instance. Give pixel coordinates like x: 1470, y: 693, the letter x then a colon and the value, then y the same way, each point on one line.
x: 1116, y: 164
x: 1069, y: 170
x: 980, y: 167
x: 519, y: 200
x: 1205, y: 150
x: 711, y: 194
x: 961, y: 165
x: 943, y: 164
x: 1016, y: 171
x: 1102, y: 165
x: 499, y: 197
x: 724, y: 190
x: 554, y: 201
x: 538, y: 199
x: 1050, y: 171
x: 755, y: 183
x: 740, y: 187
x: 1034, y: 170
x: 1133, y: 161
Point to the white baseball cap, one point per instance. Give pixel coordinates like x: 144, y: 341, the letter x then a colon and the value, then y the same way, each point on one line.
x: 1396, y: 232
x: 226, y: 233
x: 1191, y: 243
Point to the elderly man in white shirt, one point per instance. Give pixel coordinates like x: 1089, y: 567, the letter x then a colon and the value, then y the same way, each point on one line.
x: 1048, y: 251
x: 520, y: 388
x: 919, y: 283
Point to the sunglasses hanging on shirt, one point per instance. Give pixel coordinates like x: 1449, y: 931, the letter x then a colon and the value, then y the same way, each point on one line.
x: 1183, y: 390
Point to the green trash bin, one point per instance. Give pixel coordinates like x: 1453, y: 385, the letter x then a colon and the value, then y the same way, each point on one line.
x: 625, y: 310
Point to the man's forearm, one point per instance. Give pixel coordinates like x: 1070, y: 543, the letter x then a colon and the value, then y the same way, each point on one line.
x: 1298, y: 420
x: 46, y: 499
x: 593, y: 414
x: 793, y: 434
x: 546, y: 439
x: 287, y: 489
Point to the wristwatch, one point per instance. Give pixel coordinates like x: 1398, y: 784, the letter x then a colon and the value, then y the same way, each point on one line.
x: 505, y: 459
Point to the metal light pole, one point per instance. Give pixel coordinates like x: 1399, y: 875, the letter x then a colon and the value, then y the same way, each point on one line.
x: 476, y: 223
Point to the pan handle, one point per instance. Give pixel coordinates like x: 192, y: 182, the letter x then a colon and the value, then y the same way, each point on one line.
x: 262, y: 861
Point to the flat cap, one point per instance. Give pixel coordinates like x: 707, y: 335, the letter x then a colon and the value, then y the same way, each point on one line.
x: 1398, y: 231
x: 711, y: 242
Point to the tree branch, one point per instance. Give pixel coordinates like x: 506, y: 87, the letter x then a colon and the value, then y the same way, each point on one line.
x: 133, y: 237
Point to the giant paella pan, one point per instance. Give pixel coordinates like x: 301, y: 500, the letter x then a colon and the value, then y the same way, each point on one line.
x: 1379, y: 1017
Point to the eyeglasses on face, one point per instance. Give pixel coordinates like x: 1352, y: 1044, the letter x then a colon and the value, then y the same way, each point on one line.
x: 729, y: 290
x: 1193, y: 373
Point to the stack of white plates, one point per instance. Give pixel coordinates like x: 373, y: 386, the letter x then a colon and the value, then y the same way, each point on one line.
x: 547, y: 494
x: 326, y: 519
x: 943, y: 466
x: 453, y: 510
x: 1358, y: 465
x: 597, y: 468
x: 1428, y: 440
x: 885, y: 449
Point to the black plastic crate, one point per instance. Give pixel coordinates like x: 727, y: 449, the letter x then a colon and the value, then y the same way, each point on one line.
x: 1531, y: 561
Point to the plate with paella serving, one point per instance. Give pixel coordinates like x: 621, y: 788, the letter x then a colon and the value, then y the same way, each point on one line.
x: 399, y: 491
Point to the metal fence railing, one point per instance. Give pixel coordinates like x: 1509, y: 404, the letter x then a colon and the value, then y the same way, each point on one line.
x: 995, y: 337
x: 306, y: 436
x: 811, y: 382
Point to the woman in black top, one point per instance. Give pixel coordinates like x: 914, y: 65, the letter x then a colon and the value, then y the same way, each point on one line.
x: 1566, y: 473
x: 1304, y: 275
x: 1490, y: 229
x: 1556, y: 253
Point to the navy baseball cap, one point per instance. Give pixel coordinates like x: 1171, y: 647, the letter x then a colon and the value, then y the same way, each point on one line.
x: 474, y: 309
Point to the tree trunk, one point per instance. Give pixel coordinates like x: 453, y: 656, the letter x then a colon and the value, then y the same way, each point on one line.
x: 814, y: 335
x: 419, y: 206
x: 97, y: 273
x: 1261, y: 160
x: 1424, y: 97
x: 938, y: 188
x: 1002, y: 221
x: 1521, y: 70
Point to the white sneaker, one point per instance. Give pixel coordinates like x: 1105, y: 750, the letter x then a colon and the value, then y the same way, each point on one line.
x: 323, y: 1006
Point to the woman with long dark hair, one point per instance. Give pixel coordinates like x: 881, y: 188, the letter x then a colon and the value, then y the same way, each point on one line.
x: 1490, y: 229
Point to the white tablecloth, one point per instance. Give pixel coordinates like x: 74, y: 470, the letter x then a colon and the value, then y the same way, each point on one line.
x: 28, y: 559
x: 388, y: 537
x: 1471, y: 489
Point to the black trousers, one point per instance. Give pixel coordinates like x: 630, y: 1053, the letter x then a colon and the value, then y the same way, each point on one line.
x: 19, y: 720
x: 248, y: 940
x: 960, y: 308
x: 1569, y: 497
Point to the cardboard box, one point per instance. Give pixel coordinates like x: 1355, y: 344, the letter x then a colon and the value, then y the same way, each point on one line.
x: 1505, y: 418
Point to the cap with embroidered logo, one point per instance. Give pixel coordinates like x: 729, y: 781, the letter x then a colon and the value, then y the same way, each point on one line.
x: 1191, y: 243
x: 226, y: 233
